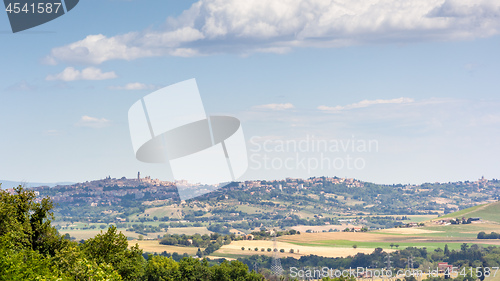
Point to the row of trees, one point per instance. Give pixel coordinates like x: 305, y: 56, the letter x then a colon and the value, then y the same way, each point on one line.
x: 197, y: 240
x: 483, y: 235
x: 266, y: 234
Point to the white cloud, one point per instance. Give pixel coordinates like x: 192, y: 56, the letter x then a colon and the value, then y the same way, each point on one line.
x: 93, y: 122
x: 89, y: 73
x: 215, y: 26
x: 275, y: 106
x: 134, y: 86
x: 365, y: 103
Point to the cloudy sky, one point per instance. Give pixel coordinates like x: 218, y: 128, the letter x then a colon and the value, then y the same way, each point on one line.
x: 419, y: 80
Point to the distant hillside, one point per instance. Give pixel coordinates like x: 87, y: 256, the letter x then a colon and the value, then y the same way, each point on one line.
x: 489, y: 212
x: 10, y: 184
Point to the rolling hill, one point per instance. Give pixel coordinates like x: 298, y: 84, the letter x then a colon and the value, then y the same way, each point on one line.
x: 487, y: 212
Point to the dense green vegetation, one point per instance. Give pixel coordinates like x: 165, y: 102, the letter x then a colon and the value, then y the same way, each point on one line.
x: 32, y: 249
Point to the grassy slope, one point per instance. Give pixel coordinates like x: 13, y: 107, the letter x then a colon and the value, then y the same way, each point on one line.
x: 486, y: 212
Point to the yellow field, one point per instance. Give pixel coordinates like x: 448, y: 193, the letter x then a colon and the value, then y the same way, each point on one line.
x: 235, y: 249
x: 153, y: 246
x: 352, y: 236
x: 312, y: 238
x: 90, y: 233
x: 372, y: 240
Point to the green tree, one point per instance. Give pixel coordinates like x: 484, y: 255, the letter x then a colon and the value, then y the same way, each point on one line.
x: 192, y: 269
x: 31, y: 249
x: 73, y: 264
x: 26, y: 223
x: 24, y: 264
x: 161, y: 268
x: 446, y: 250
x: 234, y: 270
x: 199, y: 253
x: 464, y: 247
x: 112, y: 248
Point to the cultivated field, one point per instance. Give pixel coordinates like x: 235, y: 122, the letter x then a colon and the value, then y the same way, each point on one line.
x: 412, y: 230
x: 234, y: 249
x: 372, y: 240
x: 90, y: 233
x: 153, y: 246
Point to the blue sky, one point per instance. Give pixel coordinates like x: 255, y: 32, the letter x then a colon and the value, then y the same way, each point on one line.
x: 419, y: 77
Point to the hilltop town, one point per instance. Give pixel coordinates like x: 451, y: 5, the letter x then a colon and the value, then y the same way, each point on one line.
x: 317, y: 201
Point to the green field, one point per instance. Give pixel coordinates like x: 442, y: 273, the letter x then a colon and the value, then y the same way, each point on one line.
x: 487, y: 212
x: 251, y: 209
x: 461, y: 230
